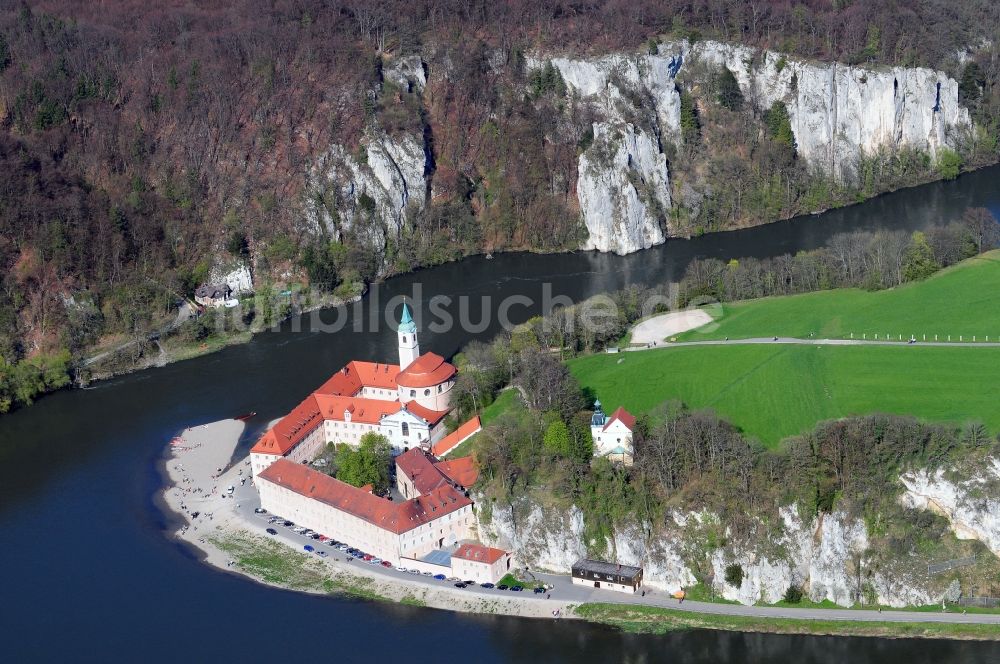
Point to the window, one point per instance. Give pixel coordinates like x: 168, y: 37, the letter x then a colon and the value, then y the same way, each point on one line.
x: 413, y: 393
x: 427, y: 392
x: 404, y: 339
x: 406, y: 429
x: 439, y: 389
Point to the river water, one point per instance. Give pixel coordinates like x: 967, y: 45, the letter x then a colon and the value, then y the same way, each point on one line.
x: 89, y: 575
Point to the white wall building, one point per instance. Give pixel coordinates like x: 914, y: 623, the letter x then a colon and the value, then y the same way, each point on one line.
x: 613, y: 435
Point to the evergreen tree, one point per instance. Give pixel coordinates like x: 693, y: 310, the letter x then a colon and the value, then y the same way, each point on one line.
x: 728, y: 90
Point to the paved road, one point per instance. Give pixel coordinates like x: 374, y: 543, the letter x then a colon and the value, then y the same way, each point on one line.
x: 795, y: 341
x: 564, y: 592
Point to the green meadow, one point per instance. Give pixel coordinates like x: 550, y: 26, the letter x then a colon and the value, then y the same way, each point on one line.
x: 961, y: 301
x: 774, y: 391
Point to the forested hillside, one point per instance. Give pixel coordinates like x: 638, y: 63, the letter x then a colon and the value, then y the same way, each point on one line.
x: 145, y: 144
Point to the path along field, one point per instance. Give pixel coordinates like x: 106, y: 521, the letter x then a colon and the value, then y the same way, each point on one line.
x: 774, y: 391
x: 962, y: 301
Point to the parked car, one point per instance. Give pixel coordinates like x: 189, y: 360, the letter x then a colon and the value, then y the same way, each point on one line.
x: 427, y: 574
x: 439, y: 577
x: 323, y: 538
x: 316, y: 536
x: 401, y: 569
x: 321, y: 554
x: 272, y: 531
x: 502, y: 586
x: 486, y: 585
x: 367, y: 557
x: 469, y: 583
x: 288, y: 524
x: 460, y: 585
x: 517, y: 589
x: 386, y: 564
x: 308, y: 548
x: 539, y: 590
x: 453, y: 579
x: 260, y: 510
x: 414, y: 571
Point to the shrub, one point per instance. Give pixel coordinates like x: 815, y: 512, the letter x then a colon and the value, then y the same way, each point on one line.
x: 949, y: 164
x: 734, y: 575
x: 728, y: 90
x: 793, y: 595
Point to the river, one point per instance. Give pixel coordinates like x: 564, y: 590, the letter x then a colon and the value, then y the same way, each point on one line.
x: 89, y: 575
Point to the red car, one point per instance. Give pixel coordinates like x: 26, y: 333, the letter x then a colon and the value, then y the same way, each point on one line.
x: 386, y: 564
x: 323, y: 538
x: 368, y: 557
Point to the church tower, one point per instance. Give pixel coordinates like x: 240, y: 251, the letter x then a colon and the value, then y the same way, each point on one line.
x: 409, y: 349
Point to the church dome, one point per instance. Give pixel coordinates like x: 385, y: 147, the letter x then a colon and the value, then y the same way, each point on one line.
x: 426, y: 371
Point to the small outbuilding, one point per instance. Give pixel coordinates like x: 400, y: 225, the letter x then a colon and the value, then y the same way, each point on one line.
x: 482, y: 564
x: 610, y: 576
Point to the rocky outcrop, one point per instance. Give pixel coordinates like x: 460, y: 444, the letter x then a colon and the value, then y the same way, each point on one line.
x: 826, y: 556
x: 839, y: 112
x: 238, y: 278
x: 623, y: 189
x: 972, y: 506
x: 624, y: 186
x: 550, y: 540
x: 381, y: 183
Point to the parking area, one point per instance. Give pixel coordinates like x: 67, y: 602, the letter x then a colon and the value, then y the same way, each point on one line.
x: 318, y: 544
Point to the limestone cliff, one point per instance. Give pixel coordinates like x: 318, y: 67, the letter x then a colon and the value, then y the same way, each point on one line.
x: 971, y: 505
x: 831, y: 557
x: 381, y: 181
x: 838, y: 114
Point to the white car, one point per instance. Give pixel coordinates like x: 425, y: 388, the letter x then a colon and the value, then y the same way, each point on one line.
x: 400, y: 569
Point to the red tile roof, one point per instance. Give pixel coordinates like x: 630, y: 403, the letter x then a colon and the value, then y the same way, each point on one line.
x: 418, y: 466
x: 369, y: 411
x: 394, y: 517
x: 622, y: 415
x: 355, y: 375
x: 461, y: 471
x: 426, y: 371
x: 479, y: 553
x: 290, y: 429
x: 432, y: 416
x: 457, y: 437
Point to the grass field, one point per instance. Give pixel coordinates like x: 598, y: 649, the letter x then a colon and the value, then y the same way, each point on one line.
x: 961, y: 301
x: 773, y: 391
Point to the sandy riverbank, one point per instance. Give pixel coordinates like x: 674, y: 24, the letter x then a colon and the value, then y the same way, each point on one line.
x: 221, y: 534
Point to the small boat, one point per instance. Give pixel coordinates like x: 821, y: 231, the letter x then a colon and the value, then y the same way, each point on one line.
x: 245, y: 416
x: 489, y: 257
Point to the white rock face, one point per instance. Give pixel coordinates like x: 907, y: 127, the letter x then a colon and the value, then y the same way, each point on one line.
x: 393, y: 176
x: 972, y: 510
x: 659, y: 557
x: 407, y: 73
x: 551, y: 540
x: 840, y: 112
x: 239, y: 279
x: 624, y: 185
x: 623, y: 189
